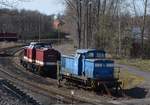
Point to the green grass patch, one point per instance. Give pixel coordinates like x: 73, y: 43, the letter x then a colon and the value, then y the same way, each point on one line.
x: 142, y: 64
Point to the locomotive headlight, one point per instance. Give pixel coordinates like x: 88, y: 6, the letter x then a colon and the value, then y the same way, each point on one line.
x: 109, y: 65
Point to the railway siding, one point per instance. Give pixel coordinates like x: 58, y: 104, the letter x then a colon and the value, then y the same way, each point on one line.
x: 51, y: 88
x: 15, y: 75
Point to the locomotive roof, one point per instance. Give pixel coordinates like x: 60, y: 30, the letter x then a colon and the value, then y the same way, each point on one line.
x: 81, y: 51
x: 95, y: 60
x: 33, y: 43
x: 39, y: 43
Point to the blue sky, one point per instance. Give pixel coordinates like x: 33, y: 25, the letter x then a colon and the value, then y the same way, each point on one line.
x: 44, y: 6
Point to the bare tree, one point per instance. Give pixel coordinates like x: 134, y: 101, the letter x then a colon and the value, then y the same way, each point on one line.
x: 108, y: 24
x: 143, y: 25
x: 91, y: 19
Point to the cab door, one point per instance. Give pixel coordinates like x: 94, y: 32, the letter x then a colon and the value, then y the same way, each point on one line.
x: 78, y: 64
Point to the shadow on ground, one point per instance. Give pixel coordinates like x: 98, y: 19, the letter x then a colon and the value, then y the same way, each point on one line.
x: 136, y: 92
x: 133, y: 93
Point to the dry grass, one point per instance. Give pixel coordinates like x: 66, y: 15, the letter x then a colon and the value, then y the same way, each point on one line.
x: 65, y: 48
x: 8, y: 44
x: 129, y: 80
x: 142, y: 64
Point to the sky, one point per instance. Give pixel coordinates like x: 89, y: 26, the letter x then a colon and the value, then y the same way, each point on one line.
x: 50, y: 6
x: 44, y: 6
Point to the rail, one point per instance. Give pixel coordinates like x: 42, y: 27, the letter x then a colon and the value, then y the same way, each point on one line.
x: 17, y: 92
x: 56, y: 93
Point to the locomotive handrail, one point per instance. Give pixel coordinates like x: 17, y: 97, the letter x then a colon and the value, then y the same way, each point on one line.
x: 117, y: 72
x: 70, y: 56
x: 58, y: 73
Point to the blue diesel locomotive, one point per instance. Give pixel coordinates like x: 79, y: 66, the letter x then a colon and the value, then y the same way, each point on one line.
x: 89, y: 68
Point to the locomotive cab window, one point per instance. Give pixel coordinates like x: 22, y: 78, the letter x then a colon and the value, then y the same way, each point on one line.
x: 97, y: 65
x: 47, y: 46
x: 100, y: 55
x: 90, y: 55
x: 38, y: 46
x: 109, y: 65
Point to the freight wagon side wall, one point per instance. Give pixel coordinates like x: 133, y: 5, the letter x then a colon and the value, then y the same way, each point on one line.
x: 8, y: 37
x: 68, y: 65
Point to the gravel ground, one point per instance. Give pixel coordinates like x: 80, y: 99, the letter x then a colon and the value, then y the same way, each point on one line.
x: 8, y: 98
x: 39, y: 95
x: 65, y: 48
x: 9, y: 44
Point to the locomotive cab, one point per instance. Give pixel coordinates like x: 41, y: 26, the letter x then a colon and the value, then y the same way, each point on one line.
x: 89, y: 67
x: 93, y: 64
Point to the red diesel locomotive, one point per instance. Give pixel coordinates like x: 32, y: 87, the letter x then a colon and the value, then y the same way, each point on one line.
x: 41, y: 58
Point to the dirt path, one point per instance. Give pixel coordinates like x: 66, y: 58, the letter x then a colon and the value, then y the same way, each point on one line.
x: 138, y: 72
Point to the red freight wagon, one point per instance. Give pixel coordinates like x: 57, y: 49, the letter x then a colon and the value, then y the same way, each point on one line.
x: 41, y: 58
x: 8, y: 37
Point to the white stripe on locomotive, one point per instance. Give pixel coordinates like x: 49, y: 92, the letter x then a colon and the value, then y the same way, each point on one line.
x: 28, y: 59
x: 45, y: 63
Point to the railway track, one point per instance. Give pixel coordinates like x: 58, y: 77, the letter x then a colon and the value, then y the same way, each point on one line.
x: 39, y: 84
x: 17, y: 92
x: 14, y: 76
x: 53, y: 95
x: 10, y: 51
